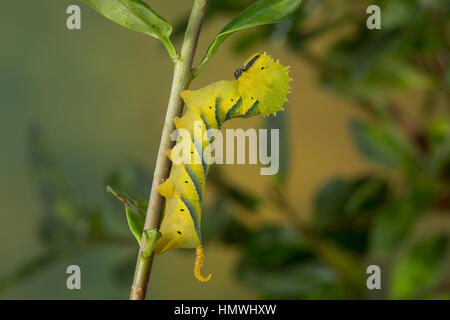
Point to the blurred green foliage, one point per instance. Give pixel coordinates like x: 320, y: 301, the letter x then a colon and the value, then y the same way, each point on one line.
x: 68, y: 228
x: 356, y: 221
x: 371, y: 218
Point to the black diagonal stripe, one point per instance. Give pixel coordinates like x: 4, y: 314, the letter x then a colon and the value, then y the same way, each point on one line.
x: 251, y: 62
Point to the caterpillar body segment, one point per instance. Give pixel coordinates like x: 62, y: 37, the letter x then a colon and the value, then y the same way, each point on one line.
x: 261, y: 87
x: 266, y: 81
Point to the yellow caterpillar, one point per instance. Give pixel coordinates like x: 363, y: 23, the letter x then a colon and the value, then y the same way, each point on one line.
x: 261, y: 87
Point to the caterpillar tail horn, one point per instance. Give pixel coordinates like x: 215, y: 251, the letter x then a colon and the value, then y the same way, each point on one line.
x: 199, y: 264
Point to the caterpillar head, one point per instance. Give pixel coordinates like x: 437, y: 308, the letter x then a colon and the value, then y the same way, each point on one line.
x: 264, y: 80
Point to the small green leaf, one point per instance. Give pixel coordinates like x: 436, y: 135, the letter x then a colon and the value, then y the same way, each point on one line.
x: 438, y: 131
x: 277, y: 262
x: 273, y: 247
x: 135, y: 210
x: 136, y: 222
x: 420, y: 268
x: 340, y: 201
x: 97, y: 227
x: 299, y: 280
x: 394, y: 222
x: 344, y: 210
x: 138, y: 16
x: 330, y: 203
x: 376, y: 144
x: 261, y: 13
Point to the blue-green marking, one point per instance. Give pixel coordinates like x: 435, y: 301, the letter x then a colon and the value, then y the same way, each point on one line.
x: 194, y: 216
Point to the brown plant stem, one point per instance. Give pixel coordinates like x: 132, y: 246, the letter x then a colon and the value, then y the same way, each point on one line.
x: 181, y: 80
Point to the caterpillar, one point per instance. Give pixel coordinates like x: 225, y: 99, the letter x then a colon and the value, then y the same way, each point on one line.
x: 261, y: 86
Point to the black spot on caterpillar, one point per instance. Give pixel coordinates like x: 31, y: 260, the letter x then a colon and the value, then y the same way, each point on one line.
x: 261, y: 87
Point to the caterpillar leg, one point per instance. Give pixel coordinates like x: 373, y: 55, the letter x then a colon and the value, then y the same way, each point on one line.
x: 199, y: 264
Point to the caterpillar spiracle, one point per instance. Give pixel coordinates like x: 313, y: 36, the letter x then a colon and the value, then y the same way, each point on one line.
x: 261, y: 86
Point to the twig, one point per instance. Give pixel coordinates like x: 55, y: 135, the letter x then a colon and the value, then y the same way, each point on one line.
x: 181, y: 80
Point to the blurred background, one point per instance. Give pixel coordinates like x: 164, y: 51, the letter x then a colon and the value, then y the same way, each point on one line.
x: 365, y: 150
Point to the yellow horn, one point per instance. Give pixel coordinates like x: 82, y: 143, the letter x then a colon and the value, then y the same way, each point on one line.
x: 199, y: 264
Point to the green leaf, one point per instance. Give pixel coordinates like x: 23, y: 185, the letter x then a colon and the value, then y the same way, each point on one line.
x: 438, y: 131
x: 308, y: 280
x: 439, y: 161
x: 135, y: 210
x: 376, y: 144
x: 272, y: 247
x: 396, y: 220
x: 355, y: 68
x: 136, y: 219
x: 330, y: 202
x: 277, y: 261
x: 138, y: 16
x: 438, y: 137
x: 341, y: 200
x: 420, y: 268
x: 260, y: 13
x: 97, y: 226
x: 344, y: 210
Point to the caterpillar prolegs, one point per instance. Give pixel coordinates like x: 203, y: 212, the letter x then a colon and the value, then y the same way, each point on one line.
x: 261, y: 87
